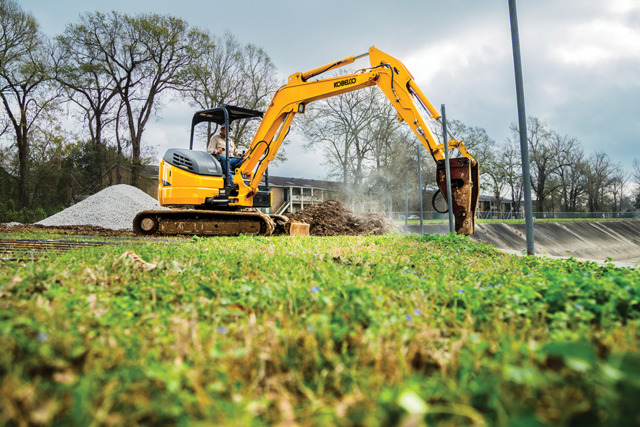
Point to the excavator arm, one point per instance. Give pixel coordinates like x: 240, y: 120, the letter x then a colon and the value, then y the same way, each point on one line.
x: 399, y: 86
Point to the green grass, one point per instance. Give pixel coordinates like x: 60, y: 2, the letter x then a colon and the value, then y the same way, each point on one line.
x: 380, y: 330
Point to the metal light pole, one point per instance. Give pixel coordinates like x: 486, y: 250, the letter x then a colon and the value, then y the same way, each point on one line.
x: 406, y: 206
x: 420, y: 190
x: 522, y: 123
x: 447, y: 170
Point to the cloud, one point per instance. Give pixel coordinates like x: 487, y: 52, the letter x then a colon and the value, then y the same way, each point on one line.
x: 456, y: 53
x: 597, y: 44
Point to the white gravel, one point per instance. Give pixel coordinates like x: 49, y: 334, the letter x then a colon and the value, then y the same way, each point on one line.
x: 113, y: 208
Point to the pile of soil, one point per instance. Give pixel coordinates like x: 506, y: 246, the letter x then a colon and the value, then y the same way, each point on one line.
x: 331, y: 218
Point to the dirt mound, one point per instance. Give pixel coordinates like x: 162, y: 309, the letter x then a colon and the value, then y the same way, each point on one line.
x: 331, y: 218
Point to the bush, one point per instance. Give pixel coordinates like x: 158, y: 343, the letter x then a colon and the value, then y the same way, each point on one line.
x: 9, y: 213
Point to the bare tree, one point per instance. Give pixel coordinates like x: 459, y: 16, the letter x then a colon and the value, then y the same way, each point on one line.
x: 493, y: 176
x: 545, y: 146
x: 636, y: 171
x: 257, y: 86
x: 636, y: 178
x: 24, y: 76
x: 229, y: 73
x: 543, y: 159
x: 599, y: 176
x: 336, y: 144
x: 510, y: 160
x: 619, y: 183
x: 349, y: 128
x: 475, y: 138
x: 383, y: 149
x: 570, y: 173
x: 80, y: 69
x: 144, y: 56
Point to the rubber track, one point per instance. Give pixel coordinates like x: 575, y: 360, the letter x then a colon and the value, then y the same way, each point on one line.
x: 203, y: 222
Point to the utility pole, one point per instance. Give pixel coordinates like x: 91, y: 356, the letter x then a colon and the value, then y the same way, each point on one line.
x: 420, y: 190
x: 522, y: 124
x: 406, y: 206
x: 447, y: 169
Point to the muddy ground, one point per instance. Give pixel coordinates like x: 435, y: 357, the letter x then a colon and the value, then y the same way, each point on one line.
x: 330, y: 218
x: 80, y: 230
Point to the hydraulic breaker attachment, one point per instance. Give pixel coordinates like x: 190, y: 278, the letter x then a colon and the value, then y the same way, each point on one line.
x: 464, y: 191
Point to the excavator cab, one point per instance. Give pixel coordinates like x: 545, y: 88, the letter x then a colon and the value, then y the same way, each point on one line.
x: 191, y: 177
x: 223, y: 116
x: 194, y: 182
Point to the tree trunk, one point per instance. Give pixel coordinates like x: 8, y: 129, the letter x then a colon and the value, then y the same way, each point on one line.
x: 136, y: 164
x: 23, y: 167
x: 99, y: 153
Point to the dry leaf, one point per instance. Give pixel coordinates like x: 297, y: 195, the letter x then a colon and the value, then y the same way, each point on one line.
x: 90, y: 276
x: 93, y: 306
x: 14, y: 281
x: 67, y: 377
x: 44, y: 413
x: 139, y: 262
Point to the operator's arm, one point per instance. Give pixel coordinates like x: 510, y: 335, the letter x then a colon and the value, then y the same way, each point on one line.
x: 212, y: 145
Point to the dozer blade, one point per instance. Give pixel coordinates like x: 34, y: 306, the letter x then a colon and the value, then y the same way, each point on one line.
x: 296, y: 229
x: 283, y: 226
x: 465, y: 187
x: 202, y: 223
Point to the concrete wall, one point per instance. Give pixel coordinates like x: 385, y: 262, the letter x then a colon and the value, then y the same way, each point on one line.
x: 596, y: 240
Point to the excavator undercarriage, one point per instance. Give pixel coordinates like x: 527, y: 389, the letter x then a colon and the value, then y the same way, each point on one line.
x: 214, y: 223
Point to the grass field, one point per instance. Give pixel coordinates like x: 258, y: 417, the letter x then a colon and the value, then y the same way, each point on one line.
x: 379, y: 330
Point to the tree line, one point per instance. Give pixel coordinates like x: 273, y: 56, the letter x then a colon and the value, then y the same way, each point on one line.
x: 367, y: 149
x: 75, y: 106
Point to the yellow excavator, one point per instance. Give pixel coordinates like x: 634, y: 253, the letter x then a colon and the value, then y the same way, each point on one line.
x: 206, y: 201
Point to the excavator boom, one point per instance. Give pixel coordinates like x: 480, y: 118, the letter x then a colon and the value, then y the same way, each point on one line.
x: 397, y: 83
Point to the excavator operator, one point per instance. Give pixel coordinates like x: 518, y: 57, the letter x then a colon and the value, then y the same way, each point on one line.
x: 217, y: 148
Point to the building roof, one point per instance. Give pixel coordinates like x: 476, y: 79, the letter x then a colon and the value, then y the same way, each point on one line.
x: 490, y: 198
x: 281, y: 181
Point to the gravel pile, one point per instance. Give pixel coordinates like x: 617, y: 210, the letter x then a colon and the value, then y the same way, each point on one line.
x: 113, y: 208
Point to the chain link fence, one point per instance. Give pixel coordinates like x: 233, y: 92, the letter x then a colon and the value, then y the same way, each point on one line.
x: 517, y: 216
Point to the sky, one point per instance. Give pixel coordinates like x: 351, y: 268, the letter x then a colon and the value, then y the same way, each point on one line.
x: 580, y: 58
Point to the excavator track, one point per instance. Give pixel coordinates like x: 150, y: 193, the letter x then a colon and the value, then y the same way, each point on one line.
x: 202, y: 223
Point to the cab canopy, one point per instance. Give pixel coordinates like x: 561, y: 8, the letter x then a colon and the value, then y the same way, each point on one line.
x: 223, y: 115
